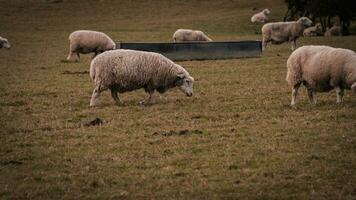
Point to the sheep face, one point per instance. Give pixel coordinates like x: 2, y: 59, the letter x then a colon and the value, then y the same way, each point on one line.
x: 266, y: 11
x: 305, y: 21
x: 185, y: 84
x: 4, y: 43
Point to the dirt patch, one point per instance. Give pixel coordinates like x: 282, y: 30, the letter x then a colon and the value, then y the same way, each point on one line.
x: 69, y: 72
x: 179, y: 133
x: 96, y: 122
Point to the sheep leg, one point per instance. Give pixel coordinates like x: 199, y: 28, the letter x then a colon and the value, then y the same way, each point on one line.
x: 311, y: 93
x: 150, y: 100
x: 115, y: 97
x: 70, y: 55
x: 95, y: 96
x: 339, y: 94
x: 295, y: 94
x: 294, y: 44
x: 264, y: 44
x: 78, y: 57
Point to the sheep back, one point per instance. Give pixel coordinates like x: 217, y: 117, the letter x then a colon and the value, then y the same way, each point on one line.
x: 322, y: 67
x: 128, y: 70
x: 333, y: 31
x: 86, y: 41
x: 190, y: 35
x: 280, y: 32
x: 260, y: 17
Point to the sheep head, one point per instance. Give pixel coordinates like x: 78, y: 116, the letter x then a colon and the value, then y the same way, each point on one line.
x: 266, y: 11
x: 4, y: 43
x: 305, y: 21
x: 185, y: 84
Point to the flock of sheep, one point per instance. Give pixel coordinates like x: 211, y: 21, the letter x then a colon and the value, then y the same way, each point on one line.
x: 318, y: 68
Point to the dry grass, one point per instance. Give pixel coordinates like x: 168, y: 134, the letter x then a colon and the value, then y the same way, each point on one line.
x: 243, y: 140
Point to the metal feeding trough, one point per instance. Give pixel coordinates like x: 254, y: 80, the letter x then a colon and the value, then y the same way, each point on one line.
x: 199, y: 50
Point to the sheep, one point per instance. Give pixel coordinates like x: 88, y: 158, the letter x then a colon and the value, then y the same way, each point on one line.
x: 86, y: 41
x: 333, y: 31
x: 127, y: 70
x: 261, y: 16
x: 321, y: 69
x: 280, y: 32
x: 4, y: 43
x: 182, y: 35
x: 313, y: 31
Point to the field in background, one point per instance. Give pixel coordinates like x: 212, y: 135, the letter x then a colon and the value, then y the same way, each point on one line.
x: 237, y: 137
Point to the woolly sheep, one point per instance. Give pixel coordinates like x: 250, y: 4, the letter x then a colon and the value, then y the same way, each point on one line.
x: 333, y: 31
x: 86, y: 41
x: 280, y: 32
x: 313, y: 31
x: 4, y: 43
x: 321, y: 69
x: 128, y: 70
x: 182, y: 35
x: 261, y: 16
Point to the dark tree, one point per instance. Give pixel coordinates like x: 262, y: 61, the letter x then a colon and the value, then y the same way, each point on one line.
x: 323, y: 11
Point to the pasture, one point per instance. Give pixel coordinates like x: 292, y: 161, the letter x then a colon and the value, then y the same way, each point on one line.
x: 236, y: 138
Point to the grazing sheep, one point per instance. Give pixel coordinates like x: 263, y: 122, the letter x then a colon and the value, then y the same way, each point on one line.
x: 280, y: 32
x: 4, y: 43
x: 321, y: 69
x: 127, y: 70
x: 182, y: 35
x: 85, y: 41
x: 313, y: 31
x: 261, y: 16
x: 333, y: 31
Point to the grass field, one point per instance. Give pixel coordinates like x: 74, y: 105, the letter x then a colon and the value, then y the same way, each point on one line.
x: 236, y: 138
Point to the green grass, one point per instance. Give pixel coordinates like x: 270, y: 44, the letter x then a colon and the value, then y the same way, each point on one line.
x: 236, y: 138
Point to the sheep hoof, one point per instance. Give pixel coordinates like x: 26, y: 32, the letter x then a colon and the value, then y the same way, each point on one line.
x: 93, y: 104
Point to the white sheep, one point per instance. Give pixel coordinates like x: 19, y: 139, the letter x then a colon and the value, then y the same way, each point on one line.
x: 4, y: 43
x: 86, y: 41
x: 333, y: 31
x: 261, y: 16
x: 182, y: 35
x: 280, y: 32
x: 127, y: 70
x: 321, y: 69
x: 313, y: 31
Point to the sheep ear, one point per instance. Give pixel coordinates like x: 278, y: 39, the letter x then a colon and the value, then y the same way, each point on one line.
x: 180, y: 76
x: 179, y: 80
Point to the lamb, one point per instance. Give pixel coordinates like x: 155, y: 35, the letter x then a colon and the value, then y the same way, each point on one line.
x: 313, y: 31
x: 128, y: 70
x: 261, y: 16
x: 86, y: 41
x: 333, y: 31
x: 182, y: 35
x: 321, y: 69
x: 280, y: 32
x: 4, y: 43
